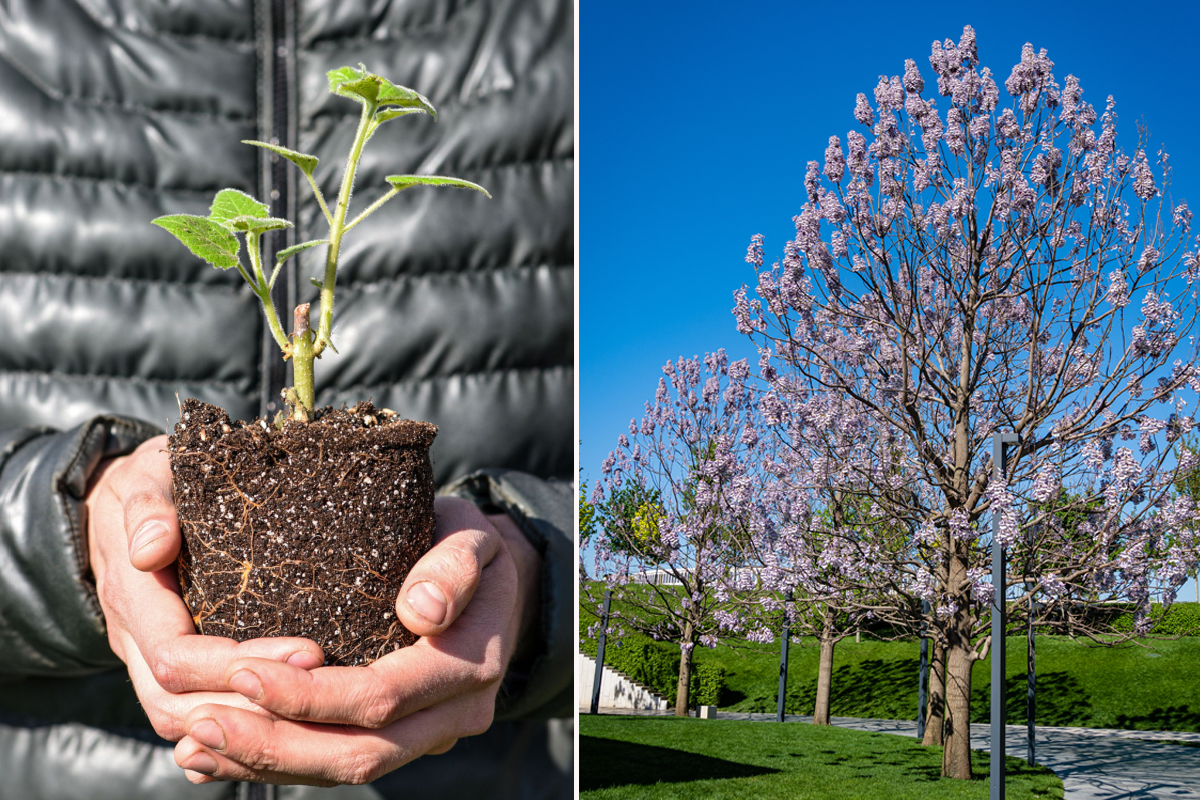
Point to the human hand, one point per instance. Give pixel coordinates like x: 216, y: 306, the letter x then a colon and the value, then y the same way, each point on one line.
x: 133, y: 540
x: 470, y: 598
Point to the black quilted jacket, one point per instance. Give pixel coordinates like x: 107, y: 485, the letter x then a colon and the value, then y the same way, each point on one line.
x: 450, y: 308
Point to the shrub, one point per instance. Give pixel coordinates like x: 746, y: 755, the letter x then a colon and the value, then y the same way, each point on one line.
x: 1183, y: 619
x: 707, y: 684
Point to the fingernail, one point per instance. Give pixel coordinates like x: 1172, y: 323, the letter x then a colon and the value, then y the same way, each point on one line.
x: 208, y: 733
x: 203, y: 763
x: 428, y: 601
x: 246, y: 683
x: 150, y: 531
x: 304, y: 660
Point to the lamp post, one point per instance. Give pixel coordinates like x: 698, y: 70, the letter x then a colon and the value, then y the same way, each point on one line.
x: 1031, y: 677
x: 783, y: 657
x: 1000, y: 444
x: 600, y: 653
x: 923, y: 673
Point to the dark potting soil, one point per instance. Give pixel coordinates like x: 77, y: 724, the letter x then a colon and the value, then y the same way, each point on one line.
x: 308, y: 530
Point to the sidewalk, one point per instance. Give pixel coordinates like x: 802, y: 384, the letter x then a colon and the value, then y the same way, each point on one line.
x: 1094, y: 763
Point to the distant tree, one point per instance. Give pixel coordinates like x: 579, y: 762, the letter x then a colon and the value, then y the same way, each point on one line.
x: 665, y: 536
x: 987, y: 266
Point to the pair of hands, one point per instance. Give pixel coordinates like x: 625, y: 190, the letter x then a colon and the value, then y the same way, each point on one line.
x: 265, y: 709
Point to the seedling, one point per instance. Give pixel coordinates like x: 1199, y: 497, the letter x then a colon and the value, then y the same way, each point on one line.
x: 215, y: 238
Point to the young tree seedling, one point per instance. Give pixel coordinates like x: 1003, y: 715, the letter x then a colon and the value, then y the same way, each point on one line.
x: 215, y: 238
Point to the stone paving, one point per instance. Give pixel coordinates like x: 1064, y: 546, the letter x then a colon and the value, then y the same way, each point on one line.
x: 1094, y: 763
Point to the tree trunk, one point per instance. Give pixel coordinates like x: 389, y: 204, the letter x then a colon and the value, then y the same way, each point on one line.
x: 824, y: 671
x: 685, y: 671
x: 956, y: 758
x: 935, y: 715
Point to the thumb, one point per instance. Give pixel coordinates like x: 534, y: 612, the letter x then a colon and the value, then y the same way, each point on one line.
x: 151, y: 522
x: 442, y: 582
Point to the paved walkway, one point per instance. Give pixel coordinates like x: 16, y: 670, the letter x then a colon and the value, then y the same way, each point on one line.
x: 1094, y: 763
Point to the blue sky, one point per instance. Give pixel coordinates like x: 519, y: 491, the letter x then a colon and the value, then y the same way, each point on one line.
x: 696, y: 121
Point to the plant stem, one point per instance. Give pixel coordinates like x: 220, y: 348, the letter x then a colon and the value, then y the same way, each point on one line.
x: 337, y: 227
x: 303, y: 354
x: 254, y: 246
x: 371, y: 209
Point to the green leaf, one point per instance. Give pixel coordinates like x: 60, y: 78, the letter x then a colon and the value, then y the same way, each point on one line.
x: 209, y: 240
x: 376, y: 91
x: 288, y: 252
x: 402, y: 182
x: 304, y: 161
x: 384, y: 114
x: 257, y: 224
x: 230, y: 204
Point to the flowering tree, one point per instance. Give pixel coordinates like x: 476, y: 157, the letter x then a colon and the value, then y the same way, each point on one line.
x: 992, y: 264
x: 666, y: 536
x: 816, y: 531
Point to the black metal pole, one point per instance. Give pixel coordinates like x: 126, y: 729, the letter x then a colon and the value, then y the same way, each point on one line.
x: 996, y: 777
x: 600, y: 653
x: 783, y: 659
x: 923, y: 673
x: 1030, y: 685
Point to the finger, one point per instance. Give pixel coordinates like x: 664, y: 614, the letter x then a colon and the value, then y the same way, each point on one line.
x: 193, y: 662
x: 166, y: 711
x: 229, y: 743
x: 469, y: 657
x: 441, y: 584
x: 151, y: 522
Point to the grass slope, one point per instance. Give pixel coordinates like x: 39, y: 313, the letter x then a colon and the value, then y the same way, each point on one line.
x: 622, y: 758
x: 1142, y: 688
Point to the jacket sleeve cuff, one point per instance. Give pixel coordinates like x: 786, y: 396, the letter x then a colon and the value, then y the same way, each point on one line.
x: 50, y: 618
x: 540, y: 687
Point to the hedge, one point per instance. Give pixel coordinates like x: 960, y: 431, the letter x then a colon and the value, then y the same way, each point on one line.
x: 655, y: 665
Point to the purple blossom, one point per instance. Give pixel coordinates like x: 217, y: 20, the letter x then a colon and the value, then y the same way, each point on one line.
x: 913, y: 82
x: 1143, y: 179
x: 835, y: 161
x: 862, y: 111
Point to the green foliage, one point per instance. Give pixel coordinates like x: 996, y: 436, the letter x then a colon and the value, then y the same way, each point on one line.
x: 655, y: 665
x: 305, y: 162
x: 402, y: 182
x: 229, y: 204
x: 630, y: 516
x: 288, y: 252
x: 707, y: 684
x: 1183, y: 619
x: 374, y: 91
x: 213, y: 238
x: 209, y: 240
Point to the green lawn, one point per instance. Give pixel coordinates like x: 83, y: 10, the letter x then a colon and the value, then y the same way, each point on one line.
x: 1142, y: 688
x: 666, y: 757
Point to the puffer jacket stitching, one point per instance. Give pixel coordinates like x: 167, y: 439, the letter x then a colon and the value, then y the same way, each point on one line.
x: 63, y: 178
x: 112, y: 26
x: 60, y: 96
x: 135, y: 381
x: 77, y: 276
x: 483, y: 373
x: 466, y: 274
x: 335, y: 42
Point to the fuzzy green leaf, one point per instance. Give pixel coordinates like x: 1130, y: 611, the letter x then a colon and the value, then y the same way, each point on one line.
x: 257, y: 224
x: 376, y: 91
x: 304, y: 161
x: 402, y: 182
x: 288, y: 252
x: 384, y: 114
x: 229, y: 204
x: 209, y: 240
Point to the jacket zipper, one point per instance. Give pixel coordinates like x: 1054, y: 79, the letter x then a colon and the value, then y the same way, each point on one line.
x: 279, y: 73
